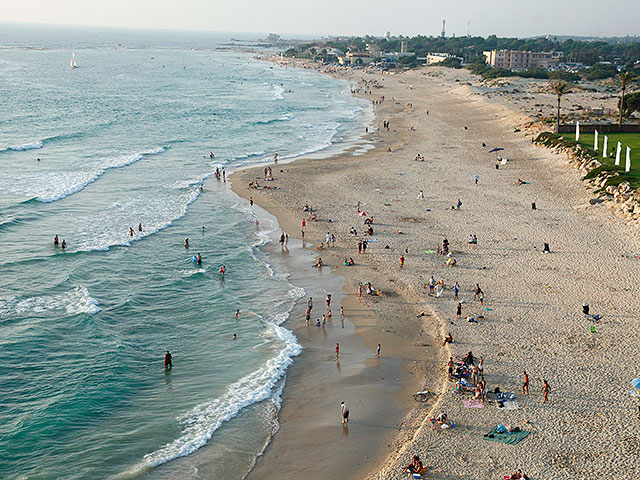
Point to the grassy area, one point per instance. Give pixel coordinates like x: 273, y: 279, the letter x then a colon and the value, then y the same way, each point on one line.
x: 627, y: 140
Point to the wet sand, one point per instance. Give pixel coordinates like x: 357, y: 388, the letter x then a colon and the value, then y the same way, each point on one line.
x: 532, y: 311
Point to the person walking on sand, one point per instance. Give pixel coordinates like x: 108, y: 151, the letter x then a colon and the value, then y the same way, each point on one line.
x: 545, y: 390
x: 344, y: 413
x: 359, y: 247
x: 342, y: 316
x: 304, y: 224
x: 477, y: 292
x: 378, y: 351
x: 328, y: 302
x: 459, y: 311
x: 337, y: 350
x: 401, y: 261
x: 359, y: 289
x: 525, y: 383
x: 456, y: 290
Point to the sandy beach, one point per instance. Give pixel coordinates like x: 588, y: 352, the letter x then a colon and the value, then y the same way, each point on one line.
x: 531, y: 318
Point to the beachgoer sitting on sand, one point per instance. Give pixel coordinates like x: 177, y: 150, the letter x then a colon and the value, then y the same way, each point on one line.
x: 442, y: 420
x: 368, y: 221
x: 319, y: 262
x: 351, y: 262
x: 415, y: 466
x: 447, y: 339
x: 353, y: 232
x: 451, y: 262
x: 517, y: 475
x: 522, y: 182
x: 369, y: 230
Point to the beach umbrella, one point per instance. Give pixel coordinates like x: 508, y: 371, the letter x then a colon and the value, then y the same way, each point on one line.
x: 595, y: 141
x: 636, y: 383
x: 496, y: 150
x: 577, y: 130
x: 627, y: 167
x: 604, y: 147
x: 618, y: 153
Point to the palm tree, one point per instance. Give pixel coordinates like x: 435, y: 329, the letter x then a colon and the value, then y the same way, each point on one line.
x: 560, y: 88
x: 625, y: 79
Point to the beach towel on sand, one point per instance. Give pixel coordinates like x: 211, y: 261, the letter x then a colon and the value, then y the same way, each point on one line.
x: 508, y: 438
x: 473, y: 403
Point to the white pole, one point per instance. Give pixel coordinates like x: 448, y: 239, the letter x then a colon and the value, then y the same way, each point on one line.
x: 628, y: 165
x: 604, y: 147
x: 618, y: 153
x: 577, y: 131
x: 595, y: 141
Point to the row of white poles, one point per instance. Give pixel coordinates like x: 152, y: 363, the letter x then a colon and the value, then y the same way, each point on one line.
x: 627, y: 166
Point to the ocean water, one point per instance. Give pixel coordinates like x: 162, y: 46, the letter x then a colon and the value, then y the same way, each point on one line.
x: 121, y: 140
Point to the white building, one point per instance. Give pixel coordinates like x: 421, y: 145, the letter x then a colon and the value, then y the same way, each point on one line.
x: 439, y: 57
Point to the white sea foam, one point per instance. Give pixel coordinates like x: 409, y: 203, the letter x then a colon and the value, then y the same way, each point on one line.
x: 277, y: 92
x: 74, y: 302
x: 100, y: 236
x: 51, y: 186
x: 26, y: 146
x: 202, y: 421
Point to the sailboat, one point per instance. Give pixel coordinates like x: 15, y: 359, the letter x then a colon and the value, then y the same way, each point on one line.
x: 73, y: 63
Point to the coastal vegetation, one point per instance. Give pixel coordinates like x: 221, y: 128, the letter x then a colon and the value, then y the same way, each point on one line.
x: 625, y: 79
x: 583, y: 151
x: 560, y: 88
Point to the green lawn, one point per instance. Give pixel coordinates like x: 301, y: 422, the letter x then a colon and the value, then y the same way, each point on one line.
x: 626, y: 139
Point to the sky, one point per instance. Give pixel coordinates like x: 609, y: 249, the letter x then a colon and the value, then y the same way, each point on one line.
x: 505, y: 18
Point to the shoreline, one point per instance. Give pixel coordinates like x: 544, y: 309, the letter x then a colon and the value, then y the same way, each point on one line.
x: 412, y: 358
x: 531, y: 317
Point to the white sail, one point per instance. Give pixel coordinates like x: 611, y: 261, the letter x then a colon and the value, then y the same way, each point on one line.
x: 73, y: 63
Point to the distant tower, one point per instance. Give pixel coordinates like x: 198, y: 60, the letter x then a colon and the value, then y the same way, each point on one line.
x: 387, y: 35
x: 404, y: 47
x: 442, y: 34
x: 469, y: 28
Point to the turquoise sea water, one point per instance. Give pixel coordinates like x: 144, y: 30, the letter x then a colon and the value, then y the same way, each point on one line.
x: 124, y: 139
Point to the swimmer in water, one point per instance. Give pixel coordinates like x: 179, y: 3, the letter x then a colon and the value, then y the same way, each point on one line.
x: 211, y: 155
x: 140, y: 227
x: 222, y: 270
x: 237, y: 313
x: 186, y: 243
x: 130, y: 232
x: 203, y: 229
x: 202, y: 188
x: 199, y: 259
x: 64, y: 244
x: 55, y: 241
x: 168, y: 364
x: 235, y: 337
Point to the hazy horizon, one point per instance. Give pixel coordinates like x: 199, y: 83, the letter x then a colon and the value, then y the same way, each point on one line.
x: 556, y: 18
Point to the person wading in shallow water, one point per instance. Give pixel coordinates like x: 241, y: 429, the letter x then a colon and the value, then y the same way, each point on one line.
x: 344, y: 413
x: 168, y: 364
